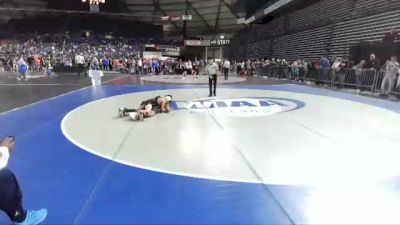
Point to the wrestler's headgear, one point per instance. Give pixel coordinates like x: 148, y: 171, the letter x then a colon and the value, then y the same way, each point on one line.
x: 168, y: 98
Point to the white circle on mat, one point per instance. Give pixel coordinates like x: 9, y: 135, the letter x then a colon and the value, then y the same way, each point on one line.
x: 327, y: 142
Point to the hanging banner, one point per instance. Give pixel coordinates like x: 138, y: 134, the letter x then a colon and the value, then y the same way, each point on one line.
x: 197, y: 42
x: 168, y: 48
x: 220, y: 42
x: 212, y: 43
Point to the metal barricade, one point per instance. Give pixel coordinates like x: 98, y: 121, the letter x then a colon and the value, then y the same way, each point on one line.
x: 345, y: 77
x: 268, y: 71
x: 303, y: 73
x: 325, y: 76
x: 366, y: 79
x: 313, y: 75
x: 280, y: 72
x: 355, y: 78
x: 378, y: 81
x: 262, y: 71
x: 296, y: 73
x: 361, y: 79
x: 351, y: 78
x: 274, y: 72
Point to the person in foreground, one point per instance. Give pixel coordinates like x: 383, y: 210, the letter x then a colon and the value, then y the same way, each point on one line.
x: 148, y: 108
x: 10, y: 193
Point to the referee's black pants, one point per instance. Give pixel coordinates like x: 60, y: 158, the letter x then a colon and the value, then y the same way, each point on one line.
x: 81, y: 68
x: 11, y: 196
x: 212, y: 79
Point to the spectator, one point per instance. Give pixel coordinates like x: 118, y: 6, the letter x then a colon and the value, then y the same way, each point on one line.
x: 392, y: 68
x: 227, y: 66
x: 188, y: 68
x: 374, y: 63
x: 48, y: 68
x: 180, y: 67
x: 10, y: 193
x: 358, y: 69
x: 295, y: 70
x: 347, y: 62
x: 105, y: 63
x: 324, y: 66
x: 337, y: 71
x: 94, y: 63
x: 80, y: 62
x: 140, y: 66
x: 116, y: 64
x: 196, y: 70
x: 391, y: 36
x: 22, y: 69
x: 37, y: 62
x: 2, y: 66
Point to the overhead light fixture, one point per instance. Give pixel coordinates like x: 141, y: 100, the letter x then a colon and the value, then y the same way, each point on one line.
x: 94, y: 2
x: 222, y: 37
x: 187, y: 17
x: 165, y: 18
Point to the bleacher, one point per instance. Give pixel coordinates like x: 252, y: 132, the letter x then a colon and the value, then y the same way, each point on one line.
x: 319, y: 14
x: 260, y: 49
x: 366, y: 29
x: 369, y: 7
x: 311, y: 44
x: 327, y: 28
x: 274, y: 28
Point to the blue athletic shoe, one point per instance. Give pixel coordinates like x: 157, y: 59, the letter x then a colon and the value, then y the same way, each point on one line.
x: 34, y: 217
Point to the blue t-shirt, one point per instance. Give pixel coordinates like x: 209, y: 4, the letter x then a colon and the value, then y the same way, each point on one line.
x: 324, y: 63
x: 22, y: 68
x: 105, y: 62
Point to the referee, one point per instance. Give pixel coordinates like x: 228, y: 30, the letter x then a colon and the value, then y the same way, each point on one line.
x: 212, y: 70
x: 10, y: 193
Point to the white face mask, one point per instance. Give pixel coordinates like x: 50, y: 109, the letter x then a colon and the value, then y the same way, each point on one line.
x: 168, y: 98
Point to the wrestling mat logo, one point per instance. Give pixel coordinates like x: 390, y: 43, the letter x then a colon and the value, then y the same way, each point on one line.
x: 240, y: 107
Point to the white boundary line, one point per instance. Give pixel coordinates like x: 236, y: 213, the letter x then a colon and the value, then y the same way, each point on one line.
x: 135, y: 165
x: 48, y: 99
x: 171, y: 172
x: 138, y: 166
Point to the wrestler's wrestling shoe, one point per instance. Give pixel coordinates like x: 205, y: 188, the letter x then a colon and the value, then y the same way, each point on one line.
x: 121, y: 112
x: 134, y: 116
x: 34, y: 217
x: 141, y: 116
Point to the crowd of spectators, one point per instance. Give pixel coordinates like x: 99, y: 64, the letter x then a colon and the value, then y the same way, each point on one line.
x: 38, y: 55
x: 41, y: 55
x: 253, y: 66
x: 328, y: 70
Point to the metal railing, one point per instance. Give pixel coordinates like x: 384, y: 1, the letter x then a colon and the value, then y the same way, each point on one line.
x: 360, y: 79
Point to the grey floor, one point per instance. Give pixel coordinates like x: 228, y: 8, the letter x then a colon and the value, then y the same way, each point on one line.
x: 14, y: 93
